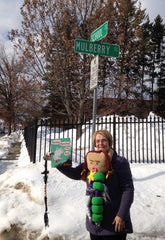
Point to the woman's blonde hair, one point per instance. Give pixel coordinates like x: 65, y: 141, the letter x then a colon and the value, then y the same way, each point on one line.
x: 104, y: 133
x: 108, y: 136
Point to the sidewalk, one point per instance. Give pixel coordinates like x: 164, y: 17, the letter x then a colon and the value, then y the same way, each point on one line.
x: 10, y: 152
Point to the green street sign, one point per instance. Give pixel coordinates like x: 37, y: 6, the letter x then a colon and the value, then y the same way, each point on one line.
x: 104, y: 49
x: 100, y: 32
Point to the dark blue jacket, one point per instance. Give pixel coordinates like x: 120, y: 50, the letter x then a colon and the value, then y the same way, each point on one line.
x: 121, y: 192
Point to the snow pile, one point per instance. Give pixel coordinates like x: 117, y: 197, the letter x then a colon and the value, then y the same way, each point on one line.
x: 6, y: 142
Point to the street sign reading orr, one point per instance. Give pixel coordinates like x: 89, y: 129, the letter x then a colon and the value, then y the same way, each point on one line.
x: 104, y: 49
x: 100, y: 32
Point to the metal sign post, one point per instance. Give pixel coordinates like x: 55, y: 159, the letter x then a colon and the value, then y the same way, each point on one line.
x: 95, y: 48
x: 98, y: 34
x: 94, y: 111
x: 93, y: 85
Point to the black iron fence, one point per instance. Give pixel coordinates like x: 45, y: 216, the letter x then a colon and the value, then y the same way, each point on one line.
x: 30, y: 136
x: 139, y: 140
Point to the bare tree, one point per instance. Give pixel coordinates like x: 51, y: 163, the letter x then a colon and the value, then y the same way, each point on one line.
x: 18, y: 94
x: 49, y: 29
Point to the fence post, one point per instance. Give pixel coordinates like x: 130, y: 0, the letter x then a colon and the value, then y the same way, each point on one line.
x: 114, y: 132
x: 30, y: 135
x: 35, y: 141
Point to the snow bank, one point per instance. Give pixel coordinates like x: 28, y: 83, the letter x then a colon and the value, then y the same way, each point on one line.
x: 6, y: 142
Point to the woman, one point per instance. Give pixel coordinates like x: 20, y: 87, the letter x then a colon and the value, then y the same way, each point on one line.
x: 116, y: 217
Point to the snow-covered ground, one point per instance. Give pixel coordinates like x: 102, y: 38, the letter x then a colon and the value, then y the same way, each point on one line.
x: 22, y: 200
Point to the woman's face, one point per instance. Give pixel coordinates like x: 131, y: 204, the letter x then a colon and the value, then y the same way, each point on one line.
x: 102, y: 143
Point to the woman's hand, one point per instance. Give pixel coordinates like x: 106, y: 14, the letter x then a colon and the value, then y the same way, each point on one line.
x: 119, y: 224
x: 48, y: 156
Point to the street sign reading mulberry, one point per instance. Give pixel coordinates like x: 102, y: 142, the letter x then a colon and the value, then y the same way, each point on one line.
x: 104, y: 49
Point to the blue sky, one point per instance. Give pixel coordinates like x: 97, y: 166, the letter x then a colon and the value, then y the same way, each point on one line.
x: 10, y: 14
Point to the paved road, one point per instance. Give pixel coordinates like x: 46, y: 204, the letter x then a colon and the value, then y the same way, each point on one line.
x: 2, y: 134
x: 7, y: 164
x: 10, y: 160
